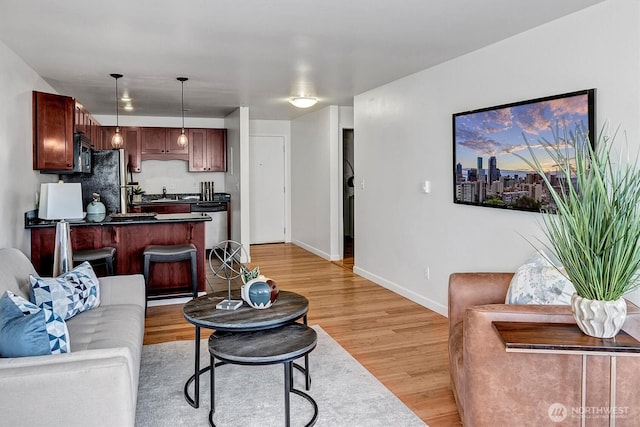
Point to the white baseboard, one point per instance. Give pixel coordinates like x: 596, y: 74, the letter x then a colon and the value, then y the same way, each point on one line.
x: 314, y: 250
x: 171, y: 301
x: 401, y: 290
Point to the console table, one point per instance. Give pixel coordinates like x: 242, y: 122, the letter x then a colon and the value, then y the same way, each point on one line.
x: 567, y: 338
x: 202, y: 313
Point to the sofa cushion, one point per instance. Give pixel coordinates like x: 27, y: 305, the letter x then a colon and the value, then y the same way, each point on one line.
x: 28, y: 330
x: 538, y: 281
x: 71, y: 293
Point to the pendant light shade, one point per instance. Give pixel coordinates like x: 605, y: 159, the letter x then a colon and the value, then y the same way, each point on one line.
x: 116, y: 140
x: 182, y: 139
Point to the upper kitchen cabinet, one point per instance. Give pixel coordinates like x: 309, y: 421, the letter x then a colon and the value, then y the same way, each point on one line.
x: 161, y: 144
x: 84, y: 122
x: 207, y: 150
x: 132, y: 146
x: 53, y: 119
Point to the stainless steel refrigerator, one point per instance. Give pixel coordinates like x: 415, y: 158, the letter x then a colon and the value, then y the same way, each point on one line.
x: 108, y: 179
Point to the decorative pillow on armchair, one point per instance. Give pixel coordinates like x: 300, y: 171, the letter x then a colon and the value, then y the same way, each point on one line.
x: 68, y: 294
x: 539, y: 282
x: 28, y: 330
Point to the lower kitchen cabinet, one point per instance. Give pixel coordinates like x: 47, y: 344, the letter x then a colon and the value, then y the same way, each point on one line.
x: 130, y: 240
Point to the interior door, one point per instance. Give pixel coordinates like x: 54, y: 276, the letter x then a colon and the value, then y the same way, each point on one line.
x: 267, y: 189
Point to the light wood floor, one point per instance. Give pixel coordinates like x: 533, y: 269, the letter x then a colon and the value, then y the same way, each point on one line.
x: 400, y: 342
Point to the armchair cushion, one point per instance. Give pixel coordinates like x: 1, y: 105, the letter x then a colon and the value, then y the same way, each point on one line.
x: 538, y: 281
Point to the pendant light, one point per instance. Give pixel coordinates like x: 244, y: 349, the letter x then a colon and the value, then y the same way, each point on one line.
x: 182, y: 139
x: 116, y: 140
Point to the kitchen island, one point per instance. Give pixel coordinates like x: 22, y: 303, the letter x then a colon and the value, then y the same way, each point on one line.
x: 129, y: 235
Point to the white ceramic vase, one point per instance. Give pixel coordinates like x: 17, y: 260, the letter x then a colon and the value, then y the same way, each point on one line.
x: 600, y: 319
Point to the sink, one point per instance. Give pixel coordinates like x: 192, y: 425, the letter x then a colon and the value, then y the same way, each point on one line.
x: 163, y: 200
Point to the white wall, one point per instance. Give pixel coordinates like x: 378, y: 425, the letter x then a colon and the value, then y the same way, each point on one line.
x: 172, y: 174
x: 311, y: 167
x: 237, y: 178
x: 19, y: 182
x: 404, y: 136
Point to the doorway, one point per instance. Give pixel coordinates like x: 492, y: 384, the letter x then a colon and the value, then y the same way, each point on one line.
x: 348, y: 176
x: 267, y: 189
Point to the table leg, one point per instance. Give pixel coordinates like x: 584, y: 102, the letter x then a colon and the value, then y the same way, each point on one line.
x: 583, y: 392
x: 212, y: 389
x: 288, y: 379
x: 196, y: 371
x: 612, y: 392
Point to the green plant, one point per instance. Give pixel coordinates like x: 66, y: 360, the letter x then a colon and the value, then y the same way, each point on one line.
x: 248, y: 275
x: 138, y: 190
x: 595, y: 232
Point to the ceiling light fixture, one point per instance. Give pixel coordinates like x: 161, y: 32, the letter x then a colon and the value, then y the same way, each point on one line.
x: 303, y: 101
x: 116, y: 140
x: 182, y: 139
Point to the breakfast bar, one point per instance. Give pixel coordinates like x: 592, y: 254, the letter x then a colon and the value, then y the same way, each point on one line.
x: 129, y: 235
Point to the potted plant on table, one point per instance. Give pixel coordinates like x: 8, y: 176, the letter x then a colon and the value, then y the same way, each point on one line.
x: 137, y: 194
x: 595, y: 231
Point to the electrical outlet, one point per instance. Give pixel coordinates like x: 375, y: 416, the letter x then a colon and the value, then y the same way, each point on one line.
x: 427, y: 273
x: 172, y: 186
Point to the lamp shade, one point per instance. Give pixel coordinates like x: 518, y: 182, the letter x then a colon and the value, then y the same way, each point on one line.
x: 303, y: 101
x: 60, y: 201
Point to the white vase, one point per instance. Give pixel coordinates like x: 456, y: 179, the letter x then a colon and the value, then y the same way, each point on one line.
x: 600, y: 319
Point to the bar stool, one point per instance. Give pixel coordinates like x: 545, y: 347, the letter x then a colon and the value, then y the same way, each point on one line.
x: 171, y: 253
x: 100, y: 256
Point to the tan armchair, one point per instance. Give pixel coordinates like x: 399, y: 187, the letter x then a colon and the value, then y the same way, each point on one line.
x: 496, y: 388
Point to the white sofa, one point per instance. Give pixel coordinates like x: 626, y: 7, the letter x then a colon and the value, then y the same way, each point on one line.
x: 96, y: 384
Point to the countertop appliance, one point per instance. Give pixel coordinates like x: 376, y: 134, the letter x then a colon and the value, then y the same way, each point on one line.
x: 216, y: 230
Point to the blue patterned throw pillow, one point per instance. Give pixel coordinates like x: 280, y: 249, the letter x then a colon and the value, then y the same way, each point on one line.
x: 28, y: 330
x: 68, y: 294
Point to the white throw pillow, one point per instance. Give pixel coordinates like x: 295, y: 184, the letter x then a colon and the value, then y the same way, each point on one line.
x: 71, y: 293
x: 537, y: 281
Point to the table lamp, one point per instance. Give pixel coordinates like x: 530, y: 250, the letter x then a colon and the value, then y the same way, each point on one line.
x: 61, y: 202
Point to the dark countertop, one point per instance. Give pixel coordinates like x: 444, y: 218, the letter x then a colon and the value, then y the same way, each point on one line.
x: 182, y: 198
x: 33, y: 222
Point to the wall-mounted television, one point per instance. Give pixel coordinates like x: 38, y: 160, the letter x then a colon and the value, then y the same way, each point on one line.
x: 486, y: 171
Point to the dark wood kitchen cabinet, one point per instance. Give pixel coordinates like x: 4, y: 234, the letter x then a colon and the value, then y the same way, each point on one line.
x: 53, y: 120
x: 132, y: 146
x: 130, y: 240
x: 207, y: 150
x: 161, y: 144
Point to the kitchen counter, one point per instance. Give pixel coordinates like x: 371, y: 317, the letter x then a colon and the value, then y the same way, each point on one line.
x: 123, y: 220
x: 129, y: 238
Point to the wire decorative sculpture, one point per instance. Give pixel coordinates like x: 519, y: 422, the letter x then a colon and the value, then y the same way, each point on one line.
x: 229, y: 253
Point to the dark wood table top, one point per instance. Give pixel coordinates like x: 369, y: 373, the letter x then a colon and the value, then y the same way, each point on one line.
x: 265, y: 346
x: 202, y: 312
x: 561, y: 338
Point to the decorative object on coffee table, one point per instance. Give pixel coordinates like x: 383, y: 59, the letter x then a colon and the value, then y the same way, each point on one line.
x: 230, y: 254
x: 595, y: 232
x: 260, y: 292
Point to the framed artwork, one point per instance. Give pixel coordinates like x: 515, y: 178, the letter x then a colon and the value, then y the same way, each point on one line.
x: 486, y: 171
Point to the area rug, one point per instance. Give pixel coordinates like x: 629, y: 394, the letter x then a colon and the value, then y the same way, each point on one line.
x: 247, y: 396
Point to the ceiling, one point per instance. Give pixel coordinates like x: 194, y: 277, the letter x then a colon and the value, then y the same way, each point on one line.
x: 254, y: 53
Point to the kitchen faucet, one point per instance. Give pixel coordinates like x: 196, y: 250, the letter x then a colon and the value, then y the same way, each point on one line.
x: 164, y: 192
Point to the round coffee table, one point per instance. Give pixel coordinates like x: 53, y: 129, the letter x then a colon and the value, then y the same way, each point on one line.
x: 265, y: 347
x: 202, y: 313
